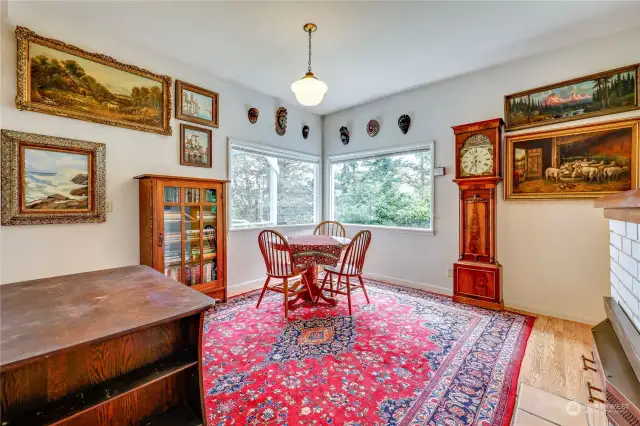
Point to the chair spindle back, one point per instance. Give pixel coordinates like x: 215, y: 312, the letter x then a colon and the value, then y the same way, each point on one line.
x: 277, y: 253
x: 331, y: 228
x: 353, y: 261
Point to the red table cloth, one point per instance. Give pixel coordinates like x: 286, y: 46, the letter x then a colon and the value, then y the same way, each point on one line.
x: 316, y: 249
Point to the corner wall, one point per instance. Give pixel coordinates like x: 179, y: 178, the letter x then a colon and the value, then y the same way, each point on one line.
x: 554, y: 253
x: 30, y: 252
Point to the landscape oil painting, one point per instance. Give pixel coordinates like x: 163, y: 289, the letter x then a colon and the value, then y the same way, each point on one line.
x: 580, y: 162
x: 51, y: 180
x: 195, y: 146
x: 60, y: 79
x: 196, y: 104
x: 598, y: 94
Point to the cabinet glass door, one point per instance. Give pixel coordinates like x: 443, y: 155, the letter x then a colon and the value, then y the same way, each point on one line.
x: 210, y: 243
x: 192, y: 245
x: 170, y: 240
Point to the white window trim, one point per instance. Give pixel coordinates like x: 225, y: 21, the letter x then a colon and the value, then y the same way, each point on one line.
x: 276, y: 152
x: 338, y: 158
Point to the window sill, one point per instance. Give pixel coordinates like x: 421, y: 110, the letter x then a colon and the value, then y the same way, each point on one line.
x: 396, y: 229
x: 276, y: 227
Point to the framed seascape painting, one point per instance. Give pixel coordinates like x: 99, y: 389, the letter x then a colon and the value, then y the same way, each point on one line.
x: 195, y: 146
x: 578, y: 162
x: 60, y: 79
x: 51, y: 180
x: 196, y: 104
x: 607, y: 92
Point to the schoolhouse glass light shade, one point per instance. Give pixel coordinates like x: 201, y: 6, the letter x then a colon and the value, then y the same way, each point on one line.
x: 309, y: 90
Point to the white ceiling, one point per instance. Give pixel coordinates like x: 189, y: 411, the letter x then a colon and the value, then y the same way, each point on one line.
x: 362, y: 50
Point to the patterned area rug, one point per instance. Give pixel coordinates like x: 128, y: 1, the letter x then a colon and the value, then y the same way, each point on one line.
x: 408, y: 358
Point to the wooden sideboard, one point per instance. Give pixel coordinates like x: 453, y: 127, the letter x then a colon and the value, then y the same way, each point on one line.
x: 183, y: 231
x: 114, y: 347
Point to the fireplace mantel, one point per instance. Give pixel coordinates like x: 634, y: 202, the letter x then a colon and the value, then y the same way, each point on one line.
x: 623, y: 206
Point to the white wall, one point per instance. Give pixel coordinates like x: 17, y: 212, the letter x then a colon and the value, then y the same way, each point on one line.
x: 30, y: 252
x: 554, y: 253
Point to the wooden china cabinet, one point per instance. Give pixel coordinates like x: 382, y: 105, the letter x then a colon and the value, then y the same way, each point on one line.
x: 183, y: 230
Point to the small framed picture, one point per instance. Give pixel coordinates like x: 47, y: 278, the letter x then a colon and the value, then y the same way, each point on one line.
x: 49, y: 180
x: 195, y: 146
x: 196, y: 105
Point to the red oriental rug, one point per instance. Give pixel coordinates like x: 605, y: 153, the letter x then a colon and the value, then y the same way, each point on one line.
x: 408, y: 358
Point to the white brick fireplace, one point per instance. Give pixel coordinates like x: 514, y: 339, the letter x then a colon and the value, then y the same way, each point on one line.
x: 625, y: 267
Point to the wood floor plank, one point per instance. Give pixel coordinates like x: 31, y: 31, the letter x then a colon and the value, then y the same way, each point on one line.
x: 552, y: 360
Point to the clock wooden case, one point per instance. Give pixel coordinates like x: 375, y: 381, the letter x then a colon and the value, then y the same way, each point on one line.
x: 477, y: 276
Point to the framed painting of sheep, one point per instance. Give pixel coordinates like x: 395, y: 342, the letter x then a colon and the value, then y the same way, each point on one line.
x: 60, y: 79
x: 196, y: 104
x: 578, y: 162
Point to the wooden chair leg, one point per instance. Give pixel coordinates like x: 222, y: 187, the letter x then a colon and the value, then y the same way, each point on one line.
x: 306, y: 283
x: 364, y: 290
x: 348, y: 293
x: 286, y: 298
x: 324, y: 283
x: 266, y: 283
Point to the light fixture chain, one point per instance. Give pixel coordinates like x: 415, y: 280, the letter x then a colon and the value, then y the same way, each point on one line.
x: 309, y: 50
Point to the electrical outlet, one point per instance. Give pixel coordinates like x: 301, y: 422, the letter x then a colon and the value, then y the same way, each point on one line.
x: 109, y: 206
x: 450, y: 273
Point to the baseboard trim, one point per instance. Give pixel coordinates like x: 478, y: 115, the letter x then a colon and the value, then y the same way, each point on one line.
x: 407, y: 283
x: 561, y: 315
x: 234, y: 290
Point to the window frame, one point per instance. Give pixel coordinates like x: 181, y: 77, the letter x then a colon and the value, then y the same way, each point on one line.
x: 359, y: 155
x: 273, y: 151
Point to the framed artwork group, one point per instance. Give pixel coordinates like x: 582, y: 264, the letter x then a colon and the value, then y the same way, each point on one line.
x: 200, y: 106
x: 584, y: 161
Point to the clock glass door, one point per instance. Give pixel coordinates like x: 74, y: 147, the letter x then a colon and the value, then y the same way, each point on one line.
x: 476, y: 156
x: 476, y: 217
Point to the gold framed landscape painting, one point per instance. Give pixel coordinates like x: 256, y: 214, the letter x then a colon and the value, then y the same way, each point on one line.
x: 48, y: 180
x: 60, y: 79
x: 598, y: 94
x: 578, y: 162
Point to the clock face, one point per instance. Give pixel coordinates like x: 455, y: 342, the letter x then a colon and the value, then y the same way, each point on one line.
x: 476, y: 156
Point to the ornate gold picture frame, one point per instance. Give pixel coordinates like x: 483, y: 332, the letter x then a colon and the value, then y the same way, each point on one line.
x: 46, y: 180
x: 578, y: 162
x: 603, y: 93
x: 196, y: 104
x: 60, y: 79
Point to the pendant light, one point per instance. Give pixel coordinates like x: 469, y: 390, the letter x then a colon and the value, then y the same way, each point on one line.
x: 309, y: 90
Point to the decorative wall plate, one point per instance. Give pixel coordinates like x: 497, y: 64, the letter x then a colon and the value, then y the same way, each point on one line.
x: 344, y: 135
x: 281, y: 120
x: 253, y: 114
x: 373, y: 127
x: 305, y: 131
x: 404, y: 122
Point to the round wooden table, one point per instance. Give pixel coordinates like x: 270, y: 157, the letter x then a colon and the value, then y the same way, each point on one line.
x: 311, y: 251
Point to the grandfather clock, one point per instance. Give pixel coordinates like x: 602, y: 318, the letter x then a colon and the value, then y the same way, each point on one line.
x: 477, y: 275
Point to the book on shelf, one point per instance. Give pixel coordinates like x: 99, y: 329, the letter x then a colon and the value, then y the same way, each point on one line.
x: 210, y: 272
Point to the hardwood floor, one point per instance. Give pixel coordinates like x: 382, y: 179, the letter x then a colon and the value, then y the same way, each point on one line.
x: 552, y: 361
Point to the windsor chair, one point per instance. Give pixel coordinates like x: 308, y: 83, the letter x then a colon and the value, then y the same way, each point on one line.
x: 278, y: 259
x: 351, y: 267
x: 331, y: 228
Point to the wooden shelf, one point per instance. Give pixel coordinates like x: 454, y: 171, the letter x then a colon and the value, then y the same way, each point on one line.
x: 105, y: 392
x: 181, y: 416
